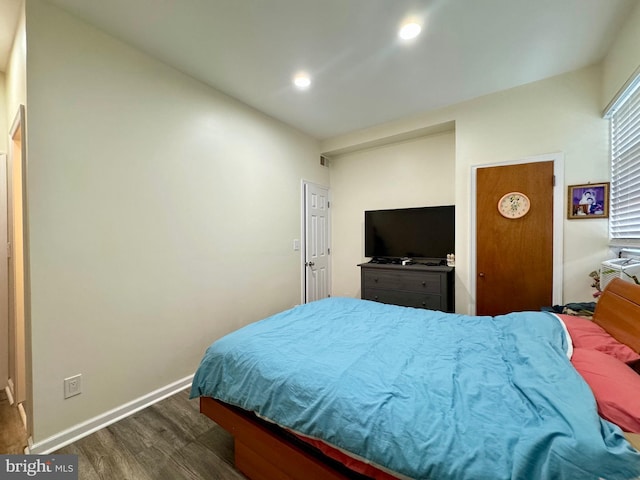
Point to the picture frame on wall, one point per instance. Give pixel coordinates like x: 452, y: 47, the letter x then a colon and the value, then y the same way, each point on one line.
x: 588, y: 201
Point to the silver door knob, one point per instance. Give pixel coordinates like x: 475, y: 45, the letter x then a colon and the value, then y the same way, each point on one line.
x: 310, y: 264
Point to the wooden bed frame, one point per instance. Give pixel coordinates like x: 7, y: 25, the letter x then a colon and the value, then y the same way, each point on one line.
x: 264, y: 451
x: 618, y: 312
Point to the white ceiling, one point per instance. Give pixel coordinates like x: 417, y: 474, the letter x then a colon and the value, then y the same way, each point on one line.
x: 362, y: 75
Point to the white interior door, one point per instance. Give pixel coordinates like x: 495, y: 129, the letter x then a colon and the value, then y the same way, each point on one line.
x: 316, y: 200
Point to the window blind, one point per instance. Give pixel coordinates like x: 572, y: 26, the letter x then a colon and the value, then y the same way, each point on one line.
x: 624, y: 221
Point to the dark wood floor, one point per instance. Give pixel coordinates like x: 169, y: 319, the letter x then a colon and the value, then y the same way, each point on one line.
x: 170, y: 440
x: 13, y: 437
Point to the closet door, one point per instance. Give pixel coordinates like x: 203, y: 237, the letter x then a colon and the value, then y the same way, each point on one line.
x: 514, y: 256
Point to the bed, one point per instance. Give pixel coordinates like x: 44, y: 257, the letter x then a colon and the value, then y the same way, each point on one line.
x: 344, y: 388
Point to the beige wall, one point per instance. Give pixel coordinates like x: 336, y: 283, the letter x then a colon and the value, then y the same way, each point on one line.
x: 4, y: 318
x: 16, y: 74
x: 411, y: 173
x: 623, y: 58
x: 4, y: 128
x: 161, y: 216
x: 560, y: 114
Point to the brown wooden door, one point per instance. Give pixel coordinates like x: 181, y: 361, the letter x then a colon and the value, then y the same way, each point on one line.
x: 514, y: 257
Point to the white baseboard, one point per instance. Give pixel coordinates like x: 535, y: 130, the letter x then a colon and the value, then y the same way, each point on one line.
x: 9, y: 393
x: 23, y: 416
x: 83, y: 429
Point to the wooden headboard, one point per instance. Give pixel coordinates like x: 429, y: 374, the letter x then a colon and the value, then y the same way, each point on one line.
x: 618, y: 312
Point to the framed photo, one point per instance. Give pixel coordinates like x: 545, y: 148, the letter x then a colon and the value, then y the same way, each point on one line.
x: 588, y: 201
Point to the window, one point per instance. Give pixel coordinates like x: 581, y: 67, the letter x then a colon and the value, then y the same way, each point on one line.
x: 624, y: 221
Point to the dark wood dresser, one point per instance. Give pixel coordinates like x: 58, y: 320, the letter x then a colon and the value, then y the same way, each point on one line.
x: 416, y: 285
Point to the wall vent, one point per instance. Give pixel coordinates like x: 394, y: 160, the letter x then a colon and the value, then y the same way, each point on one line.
x: 324, y: 161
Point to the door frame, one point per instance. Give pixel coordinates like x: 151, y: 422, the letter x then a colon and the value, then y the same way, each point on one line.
x: 558, y: 223
x: 4, y: 273
x: 23, y: 392
x: 303, y: 238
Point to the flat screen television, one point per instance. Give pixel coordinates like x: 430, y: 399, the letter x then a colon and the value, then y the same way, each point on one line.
x: 425, y: 232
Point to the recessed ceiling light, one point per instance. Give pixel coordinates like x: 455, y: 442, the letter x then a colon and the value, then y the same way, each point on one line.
x: 302, y: 81
x: 409, y: 31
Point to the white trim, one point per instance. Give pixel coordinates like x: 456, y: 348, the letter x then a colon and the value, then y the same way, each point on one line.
x: 23, y: 415
x: 624, y: 242
x: 558, y: 223
x: 303, y: 244
x: 9, y: 393
x: 94, y: 424
x: 11, y: 390
x: 625, y: 92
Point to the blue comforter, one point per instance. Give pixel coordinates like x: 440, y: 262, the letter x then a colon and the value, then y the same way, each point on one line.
x: 425, y: 394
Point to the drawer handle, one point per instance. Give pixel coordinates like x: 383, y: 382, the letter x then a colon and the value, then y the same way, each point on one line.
x: 424, y: 284
x: 375, y: 279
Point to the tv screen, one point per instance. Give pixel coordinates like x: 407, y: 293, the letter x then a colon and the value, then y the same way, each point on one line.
x: 426, y: 232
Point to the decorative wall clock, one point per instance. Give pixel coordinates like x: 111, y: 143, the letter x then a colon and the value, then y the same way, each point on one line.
x: 514, y: 205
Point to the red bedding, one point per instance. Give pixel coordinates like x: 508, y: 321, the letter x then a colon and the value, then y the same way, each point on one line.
x: 348, y: 461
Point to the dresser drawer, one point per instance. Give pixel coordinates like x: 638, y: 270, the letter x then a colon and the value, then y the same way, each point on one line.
x: 408, y: 299
x: 421, y: 286
x: 419, y: 282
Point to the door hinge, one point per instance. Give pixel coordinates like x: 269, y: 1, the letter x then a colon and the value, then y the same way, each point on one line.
x: 328, y: 204
x: 328, y: 251
x: 8, y: 250
x: 553, y: 180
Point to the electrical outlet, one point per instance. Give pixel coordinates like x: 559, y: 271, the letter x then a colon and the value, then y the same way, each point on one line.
x: 73, y: 386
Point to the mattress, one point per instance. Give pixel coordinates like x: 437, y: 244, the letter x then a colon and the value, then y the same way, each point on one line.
x: 422, y: 394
